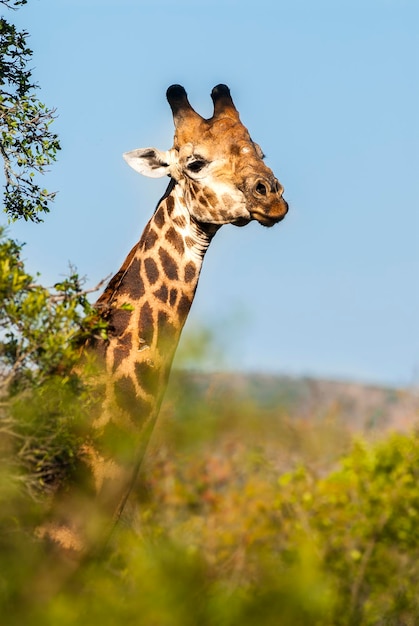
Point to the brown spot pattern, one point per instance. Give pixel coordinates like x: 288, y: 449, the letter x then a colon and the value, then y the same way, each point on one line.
x: 142, y: 410
x: 169, y: 264
x: 146, y: 329
x: 118, y: 321
x: 162, y: 293
x: 122, y: 350
x: 125, y: 394
x: 173, y: 297
x: 151, y: 270
x: 132, y: 283
x: 176, y: 240
x: 150, y: 239
x: 120, y: 353
x: 166, y: 330
x: 170, y: 203
x: 162, y: 319
x: 184, y: 306
x: 159, y: 217
x: 146, y: 376
x: 190, y: 272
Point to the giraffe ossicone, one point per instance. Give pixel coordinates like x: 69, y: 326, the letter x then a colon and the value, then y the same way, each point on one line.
x: 217, y: 176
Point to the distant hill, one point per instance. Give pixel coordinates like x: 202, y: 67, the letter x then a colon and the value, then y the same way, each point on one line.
x: 360, y: 407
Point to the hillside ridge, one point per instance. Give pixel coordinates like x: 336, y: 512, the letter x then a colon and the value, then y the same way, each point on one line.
x: 360, y: 406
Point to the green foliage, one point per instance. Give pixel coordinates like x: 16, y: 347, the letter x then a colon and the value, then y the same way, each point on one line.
x: 338, y: 547
x: 27, y: 145
x: 220, y: 534
x: 41, y: 433
x: 38, y: 324
x: 40, y: 393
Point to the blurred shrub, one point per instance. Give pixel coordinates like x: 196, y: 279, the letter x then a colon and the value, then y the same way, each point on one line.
x: 225, y: 532
x: 341, y: 548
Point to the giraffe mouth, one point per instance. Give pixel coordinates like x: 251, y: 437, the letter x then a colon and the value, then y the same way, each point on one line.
x: 274, y: 213
x: 242, y: 221
x: 266, y: 220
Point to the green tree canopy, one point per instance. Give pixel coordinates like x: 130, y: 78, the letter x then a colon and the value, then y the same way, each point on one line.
x: 27, y: 145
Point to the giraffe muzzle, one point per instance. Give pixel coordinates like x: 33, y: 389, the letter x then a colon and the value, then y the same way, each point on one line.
x: 270, y: 207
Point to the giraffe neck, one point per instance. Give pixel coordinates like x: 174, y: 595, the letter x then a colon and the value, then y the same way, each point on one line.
x: 146, y: 305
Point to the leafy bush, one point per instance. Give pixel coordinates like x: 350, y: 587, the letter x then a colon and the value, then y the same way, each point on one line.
x: 41, y: 396
x: 344, y: 545
x: 220, y: 533
x: 38, y: 324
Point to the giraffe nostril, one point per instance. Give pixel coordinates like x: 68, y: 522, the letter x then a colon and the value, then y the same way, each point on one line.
x: 261, y: 188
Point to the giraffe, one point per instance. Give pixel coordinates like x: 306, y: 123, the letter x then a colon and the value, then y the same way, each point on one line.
x: 217, y: 176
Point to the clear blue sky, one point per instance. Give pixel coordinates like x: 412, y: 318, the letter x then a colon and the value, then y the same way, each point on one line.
x: 328, y: 88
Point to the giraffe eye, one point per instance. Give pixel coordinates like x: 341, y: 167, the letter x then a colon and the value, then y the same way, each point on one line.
x: 196, y: 166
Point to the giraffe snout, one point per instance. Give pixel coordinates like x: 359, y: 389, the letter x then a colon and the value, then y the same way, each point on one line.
x: 269, y: 205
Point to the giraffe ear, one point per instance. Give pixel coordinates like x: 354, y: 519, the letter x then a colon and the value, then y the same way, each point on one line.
x: 148, y: 161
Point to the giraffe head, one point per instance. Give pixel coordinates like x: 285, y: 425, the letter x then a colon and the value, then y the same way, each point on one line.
x: 215, y: 163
